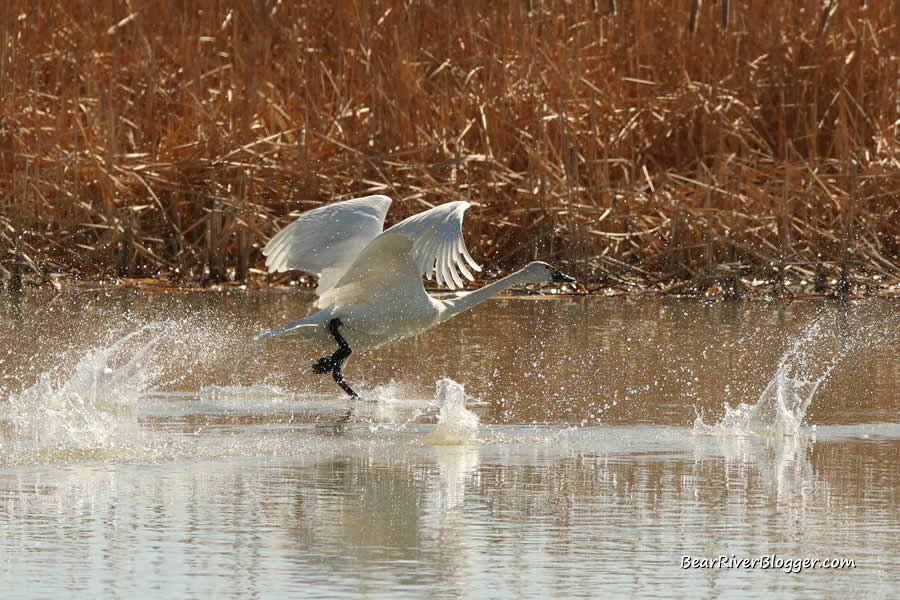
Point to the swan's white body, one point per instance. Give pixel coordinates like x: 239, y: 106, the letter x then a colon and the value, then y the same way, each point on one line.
x: 371, y: 281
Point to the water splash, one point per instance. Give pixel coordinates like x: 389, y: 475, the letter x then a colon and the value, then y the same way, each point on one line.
x: 782, y: 406
x: 779, y: 411
x: 91, y: 407
x: 456, y: 424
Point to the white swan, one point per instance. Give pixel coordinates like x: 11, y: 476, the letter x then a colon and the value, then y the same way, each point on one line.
x: 370, y: 283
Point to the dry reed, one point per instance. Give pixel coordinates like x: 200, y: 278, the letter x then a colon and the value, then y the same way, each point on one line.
x: 657, y: 142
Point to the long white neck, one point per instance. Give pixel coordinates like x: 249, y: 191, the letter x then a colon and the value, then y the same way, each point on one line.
x: 455, y: 306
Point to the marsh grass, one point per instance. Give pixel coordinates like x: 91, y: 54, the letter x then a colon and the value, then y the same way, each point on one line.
x: 665, y: 142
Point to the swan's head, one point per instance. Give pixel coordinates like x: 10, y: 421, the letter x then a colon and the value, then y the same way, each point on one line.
x: 539, y: 272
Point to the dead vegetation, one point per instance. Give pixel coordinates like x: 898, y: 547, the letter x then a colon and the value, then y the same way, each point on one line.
x: 681, y: 145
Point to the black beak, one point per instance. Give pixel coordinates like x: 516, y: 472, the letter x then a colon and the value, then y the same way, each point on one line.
x: 561, y: 277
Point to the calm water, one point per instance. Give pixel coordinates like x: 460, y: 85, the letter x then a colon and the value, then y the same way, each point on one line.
x: 530, y: 448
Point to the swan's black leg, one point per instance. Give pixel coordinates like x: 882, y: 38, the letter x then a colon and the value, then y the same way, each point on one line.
x: 334, y: 362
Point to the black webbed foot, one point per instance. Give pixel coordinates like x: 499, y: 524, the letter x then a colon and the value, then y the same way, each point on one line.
x: 339, y: 378
x: 332, y: 364
x: 324, y: 365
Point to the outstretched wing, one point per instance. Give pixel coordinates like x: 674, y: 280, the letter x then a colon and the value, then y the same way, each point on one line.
x: 383, y: 273
x: 438, y: 247
x: 325, y: 241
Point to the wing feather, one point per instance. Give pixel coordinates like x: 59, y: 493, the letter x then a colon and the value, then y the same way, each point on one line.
x: 383, y: 272
x: 326, y: 240
x: 439, y: 250
x: 390, y: 267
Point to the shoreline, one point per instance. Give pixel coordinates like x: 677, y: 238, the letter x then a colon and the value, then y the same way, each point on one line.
x: 707, y: 289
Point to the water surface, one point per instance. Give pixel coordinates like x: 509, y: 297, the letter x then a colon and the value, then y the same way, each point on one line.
x: 563, y: 447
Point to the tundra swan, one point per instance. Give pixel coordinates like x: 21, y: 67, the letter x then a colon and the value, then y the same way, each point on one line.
x: 370, y: 288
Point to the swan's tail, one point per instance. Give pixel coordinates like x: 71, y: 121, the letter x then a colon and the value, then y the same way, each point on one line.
x: 295, y: 329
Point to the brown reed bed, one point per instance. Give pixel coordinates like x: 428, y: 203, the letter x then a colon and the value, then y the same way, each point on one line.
x: 673, y: 146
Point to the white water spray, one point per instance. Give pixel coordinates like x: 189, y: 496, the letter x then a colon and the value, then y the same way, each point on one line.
x: 778, y: 412
x: 90, y: 408
x: 456, y: 424
x: 782, y: 406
